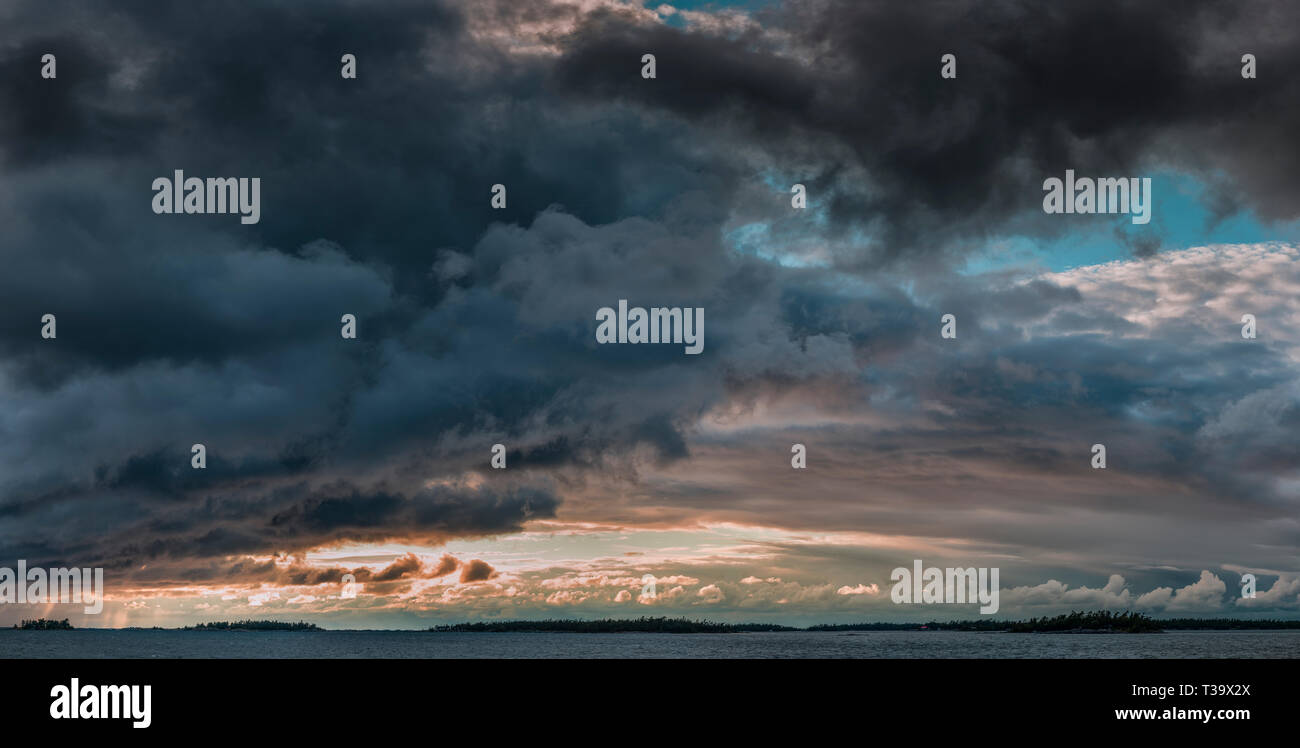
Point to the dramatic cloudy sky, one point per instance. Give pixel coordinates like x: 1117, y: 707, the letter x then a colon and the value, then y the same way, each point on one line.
x: 476, y: 326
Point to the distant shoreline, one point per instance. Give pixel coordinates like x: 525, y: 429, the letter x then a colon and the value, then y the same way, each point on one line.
x: 1074, y: 623
x: 523, y: 630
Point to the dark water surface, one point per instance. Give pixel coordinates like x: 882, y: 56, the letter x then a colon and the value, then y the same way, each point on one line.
x: 97, y: 643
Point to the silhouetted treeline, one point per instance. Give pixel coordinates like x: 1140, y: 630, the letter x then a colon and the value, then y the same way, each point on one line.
x: 254, y: 626
x: 1102, y: 620
x: 886, y: 626
x: 43, y: 624
x: 1225, y: 624
x: 1076, y: 621
x: 612, y: 626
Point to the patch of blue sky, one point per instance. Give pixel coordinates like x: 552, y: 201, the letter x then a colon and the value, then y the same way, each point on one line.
x: 788, y: 241
x: 755, y: 239
x: 708, y: 5
x: 1179, y: 220
x: 679, y: 20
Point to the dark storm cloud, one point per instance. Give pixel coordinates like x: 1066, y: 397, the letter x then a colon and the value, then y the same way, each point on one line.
x: 391, y: 166
x: 849, y: 92
x: 290, y: 570
x: 39, y: 123
x: 182, y: 329
x: 244, y: 516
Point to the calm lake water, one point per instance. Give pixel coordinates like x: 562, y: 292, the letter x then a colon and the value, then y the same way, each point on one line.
x: 91, y: 643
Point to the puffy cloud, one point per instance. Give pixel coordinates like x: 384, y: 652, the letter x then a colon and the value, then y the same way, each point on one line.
x: 406, y: 565
x: 1283, y: 594
x: 711, y: 593
x: 860, y: 589
x: 1205, y: 593
x: 476, y: 571
x: 446, y: 565
x: 1114, y: 594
